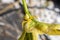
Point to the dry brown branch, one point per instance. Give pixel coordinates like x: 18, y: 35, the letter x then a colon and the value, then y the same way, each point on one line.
x: 8, y: 7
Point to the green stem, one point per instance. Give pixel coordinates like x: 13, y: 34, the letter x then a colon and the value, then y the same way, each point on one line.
x: 25, y: 7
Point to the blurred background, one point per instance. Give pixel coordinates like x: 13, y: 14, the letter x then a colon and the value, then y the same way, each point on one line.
x: 10, y: 20
x: 11, y: 16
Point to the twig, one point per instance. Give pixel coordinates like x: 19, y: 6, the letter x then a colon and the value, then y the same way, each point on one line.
x: 8, y: 7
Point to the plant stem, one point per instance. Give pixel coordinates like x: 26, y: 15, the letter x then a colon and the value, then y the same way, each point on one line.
x: 25, y: 7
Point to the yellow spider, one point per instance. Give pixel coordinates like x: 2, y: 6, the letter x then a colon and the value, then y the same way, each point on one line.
x: 32, y: 28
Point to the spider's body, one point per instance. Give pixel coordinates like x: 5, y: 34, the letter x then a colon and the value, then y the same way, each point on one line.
x: 34, y: 27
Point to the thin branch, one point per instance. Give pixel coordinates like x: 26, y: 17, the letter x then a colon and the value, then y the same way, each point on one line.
x: 8, y: 7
